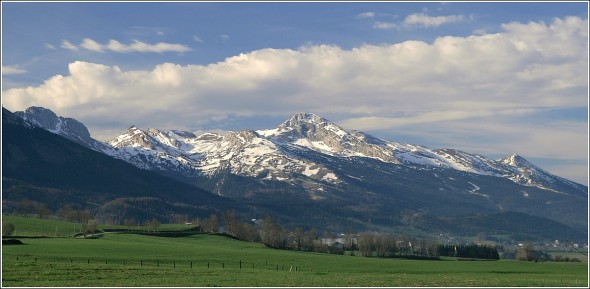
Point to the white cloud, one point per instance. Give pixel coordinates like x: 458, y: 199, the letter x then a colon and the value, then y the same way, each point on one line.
x: 224, y: 37
x: 367, y: 14
x: 198, y: 39
x: 455, y: 90
x: 384, y: 25
x: 50, y: 46
x: 423, y: 20
x: 68, y: 45
x: 90, y: 44
x: 136, y: 46
x: 12, y: 69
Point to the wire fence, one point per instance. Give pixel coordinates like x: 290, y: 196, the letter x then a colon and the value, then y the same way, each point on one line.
x: 163, y: 263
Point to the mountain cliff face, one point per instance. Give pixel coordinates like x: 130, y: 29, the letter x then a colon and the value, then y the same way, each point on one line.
x: 66, y: 127
x: 310, y: 167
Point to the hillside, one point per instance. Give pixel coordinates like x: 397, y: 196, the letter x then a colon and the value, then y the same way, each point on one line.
x: 48, y: 168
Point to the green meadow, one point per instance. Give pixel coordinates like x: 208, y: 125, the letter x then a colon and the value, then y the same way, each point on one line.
x: 118, y: 259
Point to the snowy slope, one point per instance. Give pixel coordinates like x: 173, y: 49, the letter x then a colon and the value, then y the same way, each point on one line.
x: 283, y: 153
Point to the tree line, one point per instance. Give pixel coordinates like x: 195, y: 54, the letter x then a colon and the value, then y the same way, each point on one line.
x: 469, y: 251
x: 273, y: 234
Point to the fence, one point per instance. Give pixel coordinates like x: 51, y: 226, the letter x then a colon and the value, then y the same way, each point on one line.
x: 209, y: 264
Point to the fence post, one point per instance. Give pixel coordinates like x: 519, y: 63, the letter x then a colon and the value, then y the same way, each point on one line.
x: 223, y: 265
x: 141, y: 263
x: 207, y: 265
x: 88, y: 261
x: 191, y: 264
x: 240, y: 264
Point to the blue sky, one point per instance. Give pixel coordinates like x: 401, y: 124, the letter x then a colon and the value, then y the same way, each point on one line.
x: 483, y: 77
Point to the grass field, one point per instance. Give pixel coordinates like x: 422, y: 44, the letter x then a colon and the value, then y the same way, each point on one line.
x: 206, y: 260
x: 42, y: 227
x: 58, y: 228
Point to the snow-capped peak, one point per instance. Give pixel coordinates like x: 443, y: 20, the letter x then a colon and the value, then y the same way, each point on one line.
x: 319, y: 134
x: 66, y: 127
x: 304, y: 117
x: 282, y: 153
x: 134, y: 137
x: 516, y: 161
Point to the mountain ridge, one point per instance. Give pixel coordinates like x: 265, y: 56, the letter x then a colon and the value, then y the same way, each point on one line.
x: 303, y: 129
x: 308, y: 166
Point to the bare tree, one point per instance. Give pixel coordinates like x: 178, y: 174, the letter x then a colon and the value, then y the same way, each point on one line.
x: 298, y: 237
x: 247, y: 232
x: 25, y: 207
x: 230, y: 222
x: 154, y: 225
x: 42, y: 211
x: 129, y: 222
x: 526, y: 252
x: 91, y: 226
x: 83, y: 215
x: 8, y: 229
x: 272, y: 233
x: 266, y: 230
x: 212, y: 223
x: 309, y: 238
x: 180, y: 218
x: 366, y: 244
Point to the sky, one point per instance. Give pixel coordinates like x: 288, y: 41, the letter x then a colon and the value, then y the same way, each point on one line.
x: 490, y: 78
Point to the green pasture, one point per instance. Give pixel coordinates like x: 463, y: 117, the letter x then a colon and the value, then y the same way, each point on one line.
x: 136, y: 260
x: 117, y: 259
x: 29, y: 227
x: 42, y: 227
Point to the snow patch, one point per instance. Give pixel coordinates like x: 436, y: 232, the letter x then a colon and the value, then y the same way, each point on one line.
x: 309, y: 172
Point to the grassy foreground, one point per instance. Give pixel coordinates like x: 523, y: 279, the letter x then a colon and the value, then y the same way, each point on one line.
x: 205, y: 260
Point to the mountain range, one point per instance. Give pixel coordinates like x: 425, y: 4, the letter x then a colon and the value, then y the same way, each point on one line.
x: 309, y: 170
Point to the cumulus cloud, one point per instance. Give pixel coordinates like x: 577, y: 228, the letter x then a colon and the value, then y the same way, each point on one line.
x: 136, y: 46
x: 423, y: 20
x: 50, y: 46
x: 12, y: 69
x: 453, y: 86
